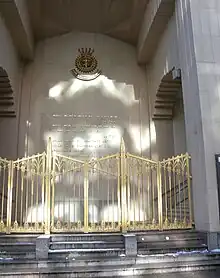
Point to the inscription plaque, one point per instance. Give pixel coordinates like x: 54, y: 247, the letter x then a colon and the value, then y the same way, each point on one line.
x: 82, y: 135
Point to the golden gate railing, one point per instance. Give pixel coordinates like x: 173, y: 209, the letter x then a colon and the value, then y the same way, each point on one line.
x: 50, y: 192
x: 176, y: 192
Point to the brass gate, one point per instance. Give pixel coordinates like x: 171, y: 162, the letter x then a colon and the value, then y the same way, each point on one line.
x: 50, y: 192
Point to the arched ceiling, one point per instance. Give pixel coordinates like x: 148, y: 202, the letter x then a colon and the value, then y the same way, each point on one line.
x: 120, y: 19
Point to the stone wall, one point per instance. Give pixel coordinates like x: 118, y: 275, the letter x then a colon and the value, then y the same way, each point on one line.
x: 191, y: 43
x: 179, y: 130
x: 122, y: 85
x: 198, y: 38
x: 165, y: 59
x: 96, y: 113
x: 206, y: 38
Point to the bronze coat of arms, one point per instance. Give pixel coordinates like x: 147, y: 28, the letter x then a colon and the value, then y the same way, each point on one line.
x: 86, y: 65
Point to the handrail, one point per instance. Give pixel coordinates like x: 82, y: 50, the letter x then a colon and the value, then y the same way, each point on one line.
x: 172, y: 190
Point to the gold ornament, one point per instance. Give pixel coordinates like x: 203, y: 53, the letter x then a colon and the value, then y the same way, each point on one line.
x: 86, y: 65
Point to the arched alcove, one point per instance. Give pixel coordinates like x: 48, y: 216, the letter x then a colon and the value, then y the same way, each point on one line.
x: 167, y: 95
x: 169, y: 116
x: 6, y: 96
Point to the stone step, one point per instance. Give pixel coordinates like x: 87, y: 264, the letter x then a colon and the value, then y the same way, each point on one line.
x: 161, y: 242
x: 114, y: 267
x: 17, y: 247
x: 85, y: 245
x: 178, y: 208
x: 87, y: 237
x: 167, y: 240
x: 86, y: 253
x: 6, y: 97
x: 85, y: 250
x: 171, y: 249
x: 16, y: 255
x: 18, y: 238
x: 101, y: 245
x: 6, y: 90
x: 173, y: 235
x: 177, y: 212
x: 161, y: 247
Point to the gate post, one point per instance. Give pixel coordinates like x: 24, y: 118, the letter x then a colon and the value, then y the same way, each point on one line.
x: 48, y: 186
x: 160, y: 200
x: 9, y: 197
x: 123, y: 181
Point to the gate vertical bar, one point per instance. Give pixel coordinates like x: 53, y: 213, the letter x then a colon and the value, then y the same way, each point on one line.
x: 123, y: 186
x: 52, y: 203
x: 48, y: 187
x: 86, y: 195
x: 119, y: 191
x: 9, y: 199
x: 189, y: 189
x: 159, y: 192
x: 43, y: 188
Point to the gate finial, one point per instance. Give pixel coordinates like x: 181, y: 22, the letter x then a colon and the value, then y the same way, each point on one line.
x: 49, y: 144
x: 122, y: 146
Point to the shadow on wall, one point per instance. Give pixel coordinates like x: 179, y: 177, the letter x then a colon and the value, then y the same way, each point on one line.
x: 88, y: 119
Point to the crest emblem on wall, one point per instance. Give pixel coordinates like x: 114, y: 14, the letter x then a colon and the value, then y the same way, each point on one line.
x: 86, y: 65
